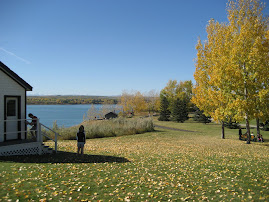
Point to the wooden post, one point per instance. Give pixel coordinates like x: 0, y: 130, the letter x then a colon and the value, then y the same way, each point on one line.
x: 38, y: 132
x: 38, y: 136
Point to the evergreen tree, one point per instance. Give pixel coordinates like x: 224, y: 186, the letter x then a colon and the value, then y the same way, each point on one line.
x: 200, y: 116
x: 164, y: 112
x: 179, y: 111
x: 181, y: 90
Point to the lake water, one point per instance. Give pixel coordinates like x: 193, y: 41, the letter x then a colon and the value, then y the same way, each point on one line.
x: 65, y: 115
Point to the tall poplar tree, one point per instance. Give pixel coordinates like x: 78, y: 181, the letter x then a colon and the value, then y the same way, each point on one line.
x: 250, y: 56
x: 232, y: 65
x: 211, y: 92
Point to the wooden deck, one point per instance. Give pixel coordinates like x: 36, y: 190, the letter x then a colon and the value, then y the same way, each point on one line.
x: 23, y: 147
x: 13, y: 142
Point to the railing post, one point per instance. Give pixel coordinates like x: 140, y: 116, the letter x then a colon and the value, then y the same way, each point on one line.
x: 38, y: 136
x: 55, y: 139
x: 37, y: 130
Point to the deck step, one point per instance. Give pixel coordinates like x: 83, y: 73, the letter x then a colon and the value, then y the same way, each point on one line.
x: 46, y: 149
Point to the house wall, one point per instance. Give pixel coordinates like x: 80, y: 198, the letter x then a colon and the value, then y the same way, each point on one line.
x: 11, y: 88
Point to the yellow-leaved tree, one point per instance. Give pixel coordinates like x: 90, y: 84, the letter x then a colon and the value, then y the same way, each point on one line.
x: 232, y: 65
x: 126, y: 101
x: 181, y: 90
x: 211, y: 92
x: 133, y: 102
x: 153, y: 101
x: 139, y: 104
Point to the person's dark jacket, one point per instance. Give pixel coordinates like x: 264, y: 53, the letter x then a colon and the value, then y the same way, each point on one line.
x: 81, y: 137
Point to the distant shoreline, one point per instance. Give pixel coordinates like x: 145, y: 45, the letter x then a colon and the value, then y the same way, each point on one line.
x: 72, y: 104
x: 77, y: 96
x: 71, y: 100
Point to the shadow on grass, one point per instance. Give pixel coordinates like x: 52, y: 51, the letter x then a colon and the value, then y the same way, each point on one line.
x: 64, y: 157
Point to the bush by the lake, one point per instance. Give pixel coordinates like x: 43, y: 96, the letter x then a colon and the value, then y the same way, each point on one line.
x: 108, y: 128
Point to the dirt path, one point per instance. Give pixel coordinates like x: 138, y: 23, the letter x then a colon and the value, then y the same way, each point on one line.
x: 176, y: 129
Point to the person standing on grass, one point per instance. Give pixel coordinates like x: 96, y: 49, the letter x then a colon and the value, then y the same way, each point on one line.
x: 81, y: 139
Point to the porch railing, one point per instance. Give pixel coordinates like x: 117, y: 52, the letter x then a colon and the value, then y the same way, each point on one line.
x: 55, y: 138
x: 39, y: 134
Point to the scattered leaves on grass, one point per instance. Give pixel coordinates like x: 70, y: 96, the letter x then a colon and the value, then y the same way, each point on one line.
x: 146, y: 167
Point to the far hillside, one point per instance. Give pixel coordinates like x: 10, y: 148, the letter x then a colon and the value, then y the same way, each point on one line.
x: 60, y: 100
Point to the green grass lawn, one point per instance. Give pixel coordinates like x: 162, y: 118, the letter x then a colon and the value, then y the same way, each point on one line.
x: 158, y: 166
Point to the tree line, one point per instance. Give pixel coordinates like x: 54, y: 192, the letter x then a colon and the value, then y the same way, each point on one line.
x: 134, y: 102
x: 173, y: 103
x: 61, y: 100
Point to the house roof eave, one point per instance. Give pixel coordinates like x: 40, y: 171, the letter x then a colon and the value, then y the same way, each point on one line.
x: 15, y: 77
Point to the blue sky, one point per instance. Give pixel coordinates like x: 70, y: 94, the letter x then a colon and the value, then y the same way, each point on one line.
x: 102, y: 47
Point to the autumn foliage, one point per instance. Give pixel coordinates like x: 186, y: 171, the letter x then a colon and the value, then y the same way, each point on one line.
x: 232, y: 65
x: 175, y: 101
x: 136, y: 102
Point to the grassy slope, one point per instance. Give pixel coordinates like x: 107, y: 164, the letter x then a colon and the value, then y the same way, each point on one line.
x: 161, y: 165
x: 206, y: 128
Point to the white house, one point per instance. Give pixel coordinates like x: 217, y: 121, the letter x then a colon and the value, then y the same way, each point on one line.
x: 13, y: 127
x: 12, y: 104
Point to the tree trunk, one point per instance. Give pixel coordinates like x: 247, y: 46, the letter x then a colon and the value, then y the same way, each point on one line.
x: 248, y: 130
x: 258, y: 126
x: 222, y: 130
x: 246, y: 98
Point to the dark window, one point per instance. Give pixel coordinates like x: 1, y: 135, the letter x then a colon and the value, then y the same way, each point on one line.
x: 11, y: 108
